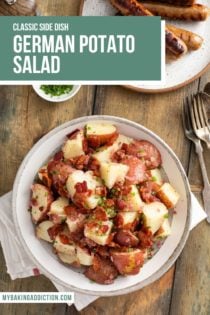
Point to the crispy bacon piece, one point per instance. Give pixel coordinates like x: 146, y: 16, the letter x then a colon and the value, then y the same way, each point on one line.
x: 145, y: 238
x: 100, y: 214
x: 101, y: 191
x: 148, y: 191
x: 80, y: 162
x: 81, y: 187
x: 55, y: 230
x: 102, y: 271
x: 94, y: 166
x: 59, y: 172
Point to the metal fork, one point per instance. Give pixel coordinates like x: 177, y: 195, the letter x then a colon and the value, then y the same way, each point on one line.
x: 188, y: 128
x: 199, y: 119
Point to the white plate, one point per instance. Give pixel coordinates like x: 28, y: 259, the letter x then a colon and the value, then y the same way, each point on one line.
x: 56, y: 99
x: 179, y: 72
x: 41, y: 252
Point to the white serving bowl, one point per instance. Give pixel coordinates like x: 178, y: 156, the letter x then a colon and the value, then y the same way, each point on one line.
x: 41, y: 252
x: 56, y: 99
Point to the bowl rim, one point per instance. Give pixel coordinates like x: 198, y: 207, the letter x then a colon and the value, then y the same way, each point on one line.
x: 165, y: 267
x: 68, y: 96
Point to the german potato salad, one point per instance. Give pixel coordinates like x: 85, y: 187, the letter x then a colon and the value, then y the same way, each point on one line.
x: 103, y: 203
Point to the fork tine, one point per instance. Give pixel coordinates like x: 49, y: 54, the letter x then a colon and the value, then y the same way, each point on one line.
x: 187, y: 114
x: 196, y: 113
x: 183, y: 115
x: 200, y: 111
x: 203, y: 112
x: 192, y: 113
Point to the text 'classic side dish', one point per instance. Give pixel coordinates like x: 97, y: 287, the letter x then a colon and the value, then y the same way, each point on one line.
x: 102, y: 202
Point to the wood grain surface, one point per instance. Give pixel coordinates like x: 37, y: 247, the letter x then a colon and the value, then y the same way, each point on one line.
x: 24, y: 118
x: 21, y: 7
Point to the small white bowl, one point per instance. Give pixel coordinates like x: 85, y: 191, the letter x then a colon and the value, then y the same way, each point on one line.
x: 56, y: 99
x: 41, y: 252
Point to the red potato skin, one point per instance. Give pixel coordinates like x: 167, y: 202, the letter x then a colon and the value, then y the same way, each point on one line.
x: 145, y: 239
x: 96, y: 141
x: 128, y: 263
x: 34, y: 202
x: 126, y: 238
x: 102, y: 271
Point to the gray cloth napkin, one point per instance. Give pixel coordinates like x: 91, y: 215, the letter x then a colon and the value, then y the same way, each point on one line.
x: 19, y: 264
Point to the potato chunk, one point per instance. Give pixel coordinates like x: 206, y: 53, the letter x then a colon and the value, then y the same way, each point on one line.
x: 164, y: 230
x: 156, y: 176
x: 74, y: 147
x: 57, y: 212
x: 65, y: 248
x: 168, y: 195
x: 98, y: 231
x: 128, y: 263
x: 105, y: 153
x: 41, y: 200
x: 99, y: 133
x: 134, y: 199
x: 91, y: 200
x: 42, y: 230
x: 126, y: 219
x: 84, y: 257
x: 112, y: 173
x: 75, y: 219
x: 153, y: 215
x: 67, y: 259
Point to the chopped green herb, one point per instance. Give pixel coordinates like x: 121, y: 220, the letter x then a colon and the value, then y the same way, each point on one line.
x: 29, y: 209
x: 110, y: 212
x: 154, y: 179
x: 54, y: 172
x: 56, y: 90
x: 166, y: 216
x: 133, y: 194
x: 101, y: 201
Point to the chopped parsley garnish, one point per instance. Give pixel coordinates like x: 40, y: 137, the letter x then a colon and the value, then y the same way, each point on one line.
x: 101, y: 201
x: 56, y: 90
x: 166, y: 216
x: 111, y: 212
x: 154, y: 179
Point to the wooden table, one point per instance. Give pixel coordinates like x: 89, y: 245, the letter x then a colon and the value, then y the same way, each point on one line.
x: 24, y: 118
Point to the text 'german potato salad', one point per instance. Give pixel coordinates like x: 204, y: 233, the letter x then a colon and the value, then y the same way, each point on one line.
x: 102, y: 202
